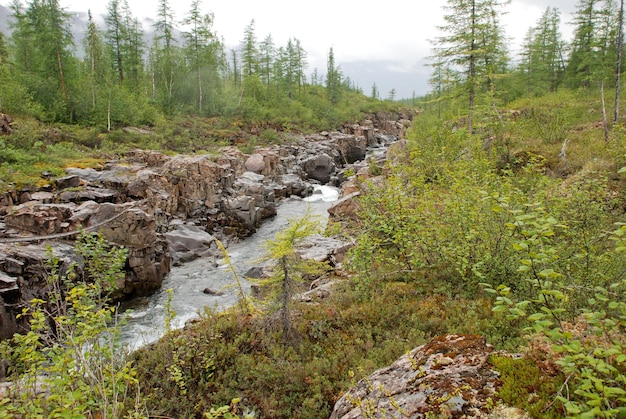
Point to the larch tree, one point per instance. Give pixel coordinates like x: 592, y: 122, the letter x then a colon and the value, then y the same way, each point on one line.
x: 115, y: 37
x: 267, y: 54
x: 473, y: 45
x: 333, y: 79
x: 94, y: 58
x: 542, y: 61
x: 249, y: 52
x: 53, y: 65
x: 164, y: 56
x: 202, y: 53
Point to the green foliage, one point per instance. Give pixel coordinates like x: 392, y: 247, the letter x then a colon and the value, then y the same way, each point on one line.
x: 591, y: 351
x: 528, y: 386
x: 70, y: 362
x: 290, y: 270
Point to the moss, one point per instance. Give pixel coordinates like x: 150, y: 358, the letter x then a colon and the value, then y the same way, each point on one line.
x: 526, y: 386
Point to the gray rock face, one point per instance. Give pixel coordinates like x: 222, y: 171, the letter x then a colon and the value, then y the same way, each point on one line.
x: 448, y: 377
x: 189, y: 242
x: 320, y: 167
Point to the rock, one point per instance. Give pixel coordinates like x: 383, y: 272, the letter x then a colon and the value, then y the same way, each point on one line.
x: 188, y: 242
x: 351, y: 148
x: 209, y: 291
x: 448, y: 377
x: 259, y: 272
x: 255, y: 164
x: 319, y: 167
x: 71, y: 181
x: 263, y: 162
x: 323, y: 249
x: 6, y: 123
x: 346, y: 208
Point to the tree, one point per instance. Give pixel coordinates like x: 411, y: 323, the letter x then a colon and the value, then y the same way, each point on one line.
x: 267, y: 52
x: 164, y: 56
x: 392, y: 95
x: 202, y: 54
x: 94, y: 58
x: 620, y: 55
x: 290, y: 269
x: 474, y: 45
x: 249, y: 59
x: 375, y: 94
x: 333, y: 79
x: 542, y: 54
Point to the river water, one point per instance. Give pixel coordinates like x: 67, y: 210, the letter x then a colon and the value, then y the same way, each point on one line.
x: 146, y: 315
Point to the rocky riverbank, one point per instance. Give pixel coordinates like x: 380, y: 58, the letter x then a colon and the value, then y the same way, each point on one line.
x: 166, y: 209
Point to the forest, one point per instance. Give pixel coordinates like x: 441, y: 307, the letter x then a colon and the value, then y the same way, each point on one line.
x: 503, y: 217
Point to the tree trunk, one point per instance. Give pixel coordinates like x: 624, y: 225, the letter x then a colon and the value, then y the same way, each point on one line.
x: 472, y: 71
x: 284, y: 310
x: 605, y: 121
x: 61, y: 75
x: 620, y: 54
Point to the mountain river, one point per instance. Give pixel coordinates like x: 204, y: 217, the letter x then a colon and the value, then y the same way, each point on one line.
x: 146, y: 315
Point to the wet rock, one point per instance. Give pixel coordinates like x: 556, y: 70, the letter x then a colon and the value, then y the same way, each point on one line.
x: 320, y: 167
x: 259, y: 272
x: 188, y: 242
x: 209, y: 291
x: 351, y: 148
x: 449, y: 376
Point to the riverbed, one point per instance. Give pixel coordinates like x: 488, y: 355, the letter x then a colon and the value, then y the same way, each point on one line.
x: 146, y: 315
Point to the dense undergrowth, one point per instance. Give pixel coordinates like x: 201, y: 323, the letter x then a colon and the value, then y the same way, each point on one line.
x: 513, y: 233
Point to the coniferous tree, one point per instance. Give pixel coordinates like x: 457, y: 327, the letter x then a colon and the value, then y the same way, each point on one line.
x: 267, y: 53
x: 542, y: 54
x: 333, y: 79
x: 473, y: 46
x: 164, y: 57
x: 374, y: 91
x: 42, y: 29
x: 202, y: 51
x: 94, y: 58
x: 249, y: 53
x: 620, y: 54
x: 115, y: 37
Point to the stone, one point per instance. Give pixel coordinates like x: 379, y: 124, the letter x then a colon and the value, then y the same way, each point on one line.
x: 346, y: 208
x: 319, y: 167
x: 71, y: 181
x: 188, y: 242
x: 209, y: 291
x: 448, y: 377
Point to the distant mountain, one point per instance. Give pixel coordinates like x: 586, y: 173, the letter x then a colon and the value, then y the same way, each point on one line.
x: 389, y: 75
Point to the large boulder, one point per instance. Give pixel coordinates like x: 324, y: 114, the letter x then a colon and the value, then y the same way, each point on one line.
x: 347, y: 208
x: 320, y: 167
x: 188, y: 242
x: 448, y: 377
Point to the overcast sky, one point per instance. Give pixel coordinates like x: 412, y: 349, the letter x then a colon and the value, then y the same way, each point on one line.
x: 385, y: 43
